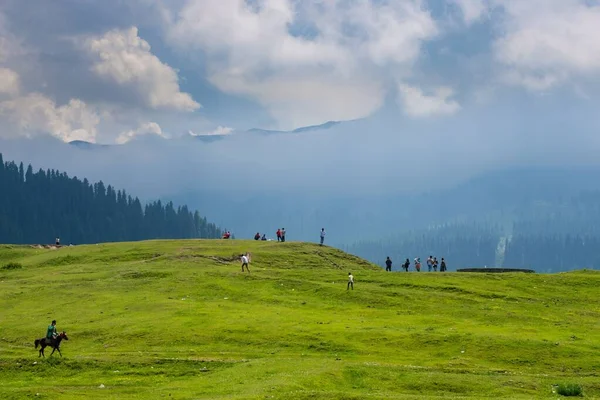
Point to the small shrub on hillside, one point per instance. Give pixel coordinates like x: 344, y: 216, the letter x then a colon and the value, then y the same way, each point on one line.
x: 569, y: 389
x: 12, y: 265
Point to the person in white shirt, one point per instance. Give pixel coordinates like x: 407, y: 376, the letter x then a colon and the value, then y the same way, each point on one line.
x: 245, y: 261
x: 322, y: 235
x: 350, y: 281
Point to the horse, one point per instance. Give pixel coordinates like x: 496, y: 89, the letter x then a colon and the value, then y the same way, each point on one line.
x: 54, y: 343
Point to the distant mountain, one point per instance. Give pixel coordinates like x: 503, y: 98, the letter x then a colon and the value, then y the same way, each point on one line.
x: 325, y: 126
x: 208, y: 138
x: 82, y: 144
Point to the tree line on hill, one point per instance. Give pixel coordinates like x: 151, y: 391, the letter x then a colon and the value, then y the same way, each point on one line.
x: 36, y: 207
x: 548, y: 245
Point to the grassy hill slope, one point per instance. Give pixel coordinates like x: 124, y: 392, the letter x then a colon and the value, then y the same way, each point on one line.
x: 178, y: 319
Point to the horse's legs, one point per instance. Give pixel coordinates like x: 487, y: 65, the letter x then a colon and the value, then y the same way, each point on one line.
x: 53, y: 350
x: 58, y: 348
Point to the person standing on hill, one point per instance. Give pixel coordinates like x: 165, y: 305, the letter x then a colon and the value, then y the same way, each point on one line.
x: 435, y: 264
x: 283, y: 234
x: 322, y: 236
x: 418, y: 264
x: 278, y: 234
x: 388, y: 264
x: 429, y: 263
x: 350, y: 281
x: 245, y: 262
x: 406, y: 265
x: 443, y: 265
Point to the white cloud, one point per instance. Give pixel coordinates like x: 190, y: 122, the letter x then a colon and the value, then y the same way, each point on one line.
x: 549, y: 42
x: 472, y: 10
x: 9, y: 81
x: 332, y: 66
x: 308, y: 100
x: 416, y: 103
x: 219, y: 131
x: 36, y: 113
x: 123, y: 57
x: 149, y: 128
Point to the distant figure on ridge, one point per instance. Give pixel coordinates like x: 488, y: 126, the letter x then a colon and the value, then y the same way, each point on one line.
x: 226, y: 235
x: 322, y: 236
x: 443, y: 265
x: 278, y: 235
x: 350, y: 281
x: 245, y: 261
x: 264, y: 237
x: 418, y: 264
x: 406, y: 265
x: 388, y: 264
x: 283, y: 234
x: 435, y: 264
x: 257, y: 236
x: 57, y: 241
x: 429, y: 263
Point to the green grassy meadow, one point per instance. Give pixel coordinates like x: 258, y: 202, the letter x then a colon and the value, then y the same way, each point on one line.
x: 179, y: 320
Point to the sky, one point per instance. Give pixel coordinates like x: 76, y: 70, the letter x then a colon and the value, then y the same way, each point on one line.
x: 113, y: 70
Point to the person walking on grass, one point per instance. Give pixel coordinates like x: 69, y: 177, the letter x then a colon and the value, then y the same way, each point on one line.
x: 406, y: 265
x: 429, y: 263
x: 435, y: 264
x: 443, y: 265
x: 418, y: 264
x: 350, y: 281
x: 388, y: 264
x: 322, y: 236
x: 245, y: 262
x: 278, y: 234
x: 283, y: 234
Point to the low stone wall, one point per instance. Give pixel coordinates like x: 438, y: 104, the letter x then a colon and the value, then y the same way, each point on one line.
x: 497, y: 270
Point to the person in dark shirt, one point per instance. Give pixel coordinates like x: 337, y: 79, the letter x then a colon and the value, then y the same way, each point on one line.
x: 388, y: 264
x: 443, y: 265
x: 406, y: 265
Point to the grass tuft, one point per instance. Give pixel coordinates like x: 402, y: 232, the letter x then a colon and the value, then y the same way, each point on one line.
x: 12, y: 265
x: 569, y: 389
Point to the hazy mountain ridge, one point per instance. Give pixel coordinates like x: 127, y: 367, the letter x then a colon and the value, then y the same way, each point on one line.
x: 551, y: 235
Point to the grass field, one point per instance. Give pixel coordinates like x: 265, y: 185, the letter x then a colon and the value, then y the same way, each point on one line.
x: 179, y: 320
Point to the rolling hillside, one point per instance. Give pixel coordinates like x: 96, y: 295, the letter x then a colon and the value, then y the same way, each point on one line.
x: 178, y: 319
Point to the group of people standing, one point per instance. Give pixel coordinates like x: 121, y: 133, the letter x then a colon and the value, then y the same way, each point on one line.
x: 281, y: 236
x: 432, y: 264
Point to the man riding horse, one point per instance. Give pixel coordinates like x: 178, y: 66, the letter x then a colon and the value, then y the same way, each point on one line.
x: 51, y: 332
x: 52, y: 339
